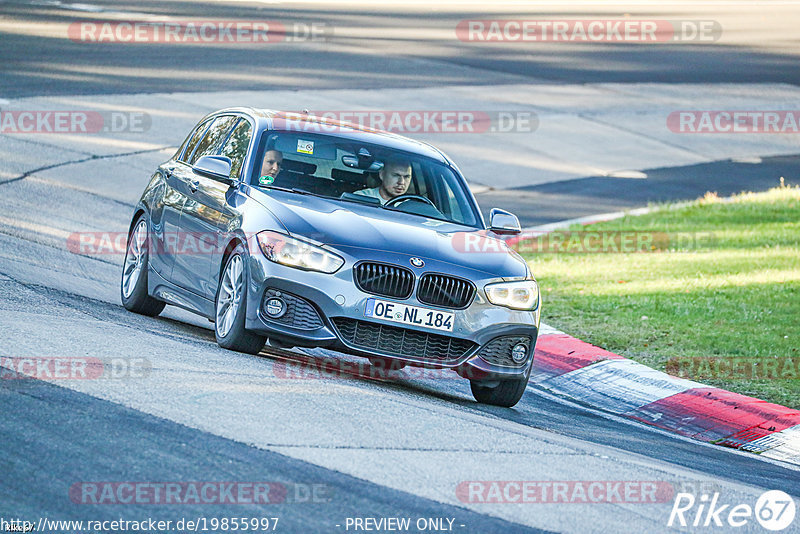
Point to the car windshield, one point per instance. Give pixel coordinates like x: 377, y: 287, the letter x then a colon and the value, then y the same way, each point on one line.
x: 360, y: 172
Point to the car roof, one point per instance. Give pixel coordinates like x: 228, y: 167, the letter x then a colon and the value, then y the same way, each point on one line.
x: 266, y: 120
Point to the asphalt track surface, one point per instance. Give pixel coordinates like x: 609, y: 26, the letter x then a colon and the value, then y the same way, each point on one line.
x: 592, y: 195
x: 375, y: 44
x: 389, y: 448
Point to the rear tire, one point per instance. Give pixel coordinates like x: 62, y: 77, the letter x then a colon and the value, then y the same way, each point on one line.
x: 230, y: 307
x: 133, y: 284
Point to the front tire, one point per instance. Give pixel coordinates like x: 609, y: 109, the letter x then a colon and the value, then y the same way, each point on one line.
x: 133, y: 285
x: 506, y: 394
x: 230, y: 307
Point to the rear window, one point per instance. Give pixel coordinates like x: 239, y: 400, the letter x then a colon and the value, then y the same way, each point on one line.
x: 236, y: 145
x: 216, y: 134
x: 186, y: 149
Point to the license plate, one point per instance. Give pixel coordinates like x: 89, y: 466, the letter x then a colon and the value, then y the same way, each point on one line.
x: 410, y: 315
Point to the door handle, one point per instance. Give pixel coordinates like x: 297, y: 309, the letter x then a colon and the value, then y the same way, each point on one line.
x: 193, y: 185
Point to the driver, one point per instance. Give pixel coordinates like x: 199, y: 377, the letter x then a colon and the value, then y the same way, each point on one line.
x: 395, y: 178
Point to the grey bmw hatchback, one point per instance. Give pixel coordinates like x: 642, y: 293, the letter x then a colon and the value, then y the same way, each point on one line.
x: 302, y: 231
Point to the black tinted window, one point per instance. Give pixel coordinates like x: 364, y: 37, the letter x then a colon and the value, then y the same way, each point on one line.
x: 213, y: 139
x: 236, y: 146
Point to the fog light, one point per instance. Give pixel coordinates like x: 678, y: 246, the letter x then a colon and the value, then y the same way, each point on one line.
x: 275, y: 307
x: 519, y: 353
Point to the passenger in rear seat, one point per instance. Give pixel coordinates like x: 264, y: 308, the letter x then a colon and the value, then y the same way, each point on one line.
x: 270, y: 167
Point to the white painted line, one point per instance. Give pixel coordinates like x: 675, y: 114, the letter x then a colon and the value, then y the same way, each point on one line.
x: 477, y: 189
x: 619, y: 386
x: 603, y: 217
x: 589, y: 219
x: 783, y: 445
x: 753, y: 160
x: 637, y: 175
x: 74, y: 7
x: 547, y: 330
x: 545, y: 3
x: 83, y: 7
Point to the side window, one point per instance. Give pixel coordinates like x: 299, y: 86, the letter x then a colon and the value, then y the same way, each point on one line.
x: 213, y: 138
x: 416, y: 187
x: 236, y: 146
x: 454, y: 200
x: 451, y: 206
x: 192, y: 140
x: 441, y: 188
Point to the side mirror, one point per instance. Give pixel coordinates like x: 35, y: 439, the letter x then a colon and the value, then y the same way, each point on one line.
x: 216, y: 167
x: 503, y: 222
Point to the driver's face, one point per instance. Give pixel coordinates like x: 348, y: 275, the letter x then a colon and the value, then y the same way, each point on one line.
x: 395, y: 179
x: 271, y: 165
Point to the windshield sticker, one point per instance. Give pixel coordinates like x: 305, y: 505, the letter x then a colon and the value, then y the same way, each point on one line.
x: 266, y: 179
x: 305, y: 147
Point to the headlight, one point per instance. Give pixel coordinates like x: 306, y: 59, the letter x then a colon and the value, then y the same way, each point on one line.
x: 286, y: 250
x: 522, y: 295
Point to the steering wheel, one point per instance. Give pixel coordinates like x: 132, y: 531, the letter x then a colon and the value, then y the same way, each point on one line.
x: 402, y: 198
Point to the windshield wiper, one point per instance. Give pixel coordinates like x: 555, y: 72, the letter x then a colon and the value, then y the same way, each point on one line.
x: 293, y: 190
x: 288, y: 190
x: 361, y: 199
x: 426, y: 215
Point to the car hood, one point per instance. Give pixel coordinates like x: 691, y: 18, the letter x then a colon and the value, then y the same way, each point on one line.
x: 350, y: 225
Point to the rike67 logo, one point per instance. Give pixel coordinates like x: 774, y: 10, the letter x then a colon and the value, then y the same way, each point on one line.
x: 774, y: 510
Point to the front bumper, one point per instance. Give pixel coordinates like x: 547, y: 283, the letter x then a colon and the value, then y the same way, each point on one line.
x: 327, y: 310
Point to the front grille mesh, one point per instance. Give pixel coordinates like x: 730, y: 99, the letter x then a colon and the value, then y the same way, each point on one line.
x: 385, y: 280
x: 446, y: 291
x: 402, y: 341
x: 498, y: 350
x: 299, y: 313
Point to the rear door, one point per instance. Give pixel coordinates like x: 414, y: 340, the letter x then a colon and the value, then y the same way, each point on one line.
x: 166, y: 217
x: 205, y: 198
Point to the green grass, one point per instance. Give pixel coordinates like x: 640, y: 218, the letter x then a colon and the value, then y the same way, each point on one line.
x: 735, y: 297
